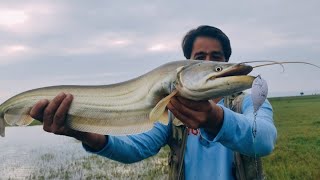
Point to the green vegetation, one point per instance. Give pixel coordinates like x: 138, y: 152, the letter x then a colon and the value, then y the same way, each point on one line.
x: 297, y: 152
x: 35, y: 123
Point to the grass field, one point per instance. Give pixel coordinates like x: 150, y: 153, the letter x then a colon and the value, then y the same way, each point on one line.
x: 297, y: 152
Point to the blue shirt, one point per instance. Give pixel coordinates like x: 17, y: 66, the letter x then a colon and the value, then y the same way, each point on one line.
x: 206, y: 157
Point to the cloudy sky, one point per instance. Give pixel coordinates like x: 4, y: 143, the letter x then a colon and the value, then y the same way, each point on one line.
x: 46, y: 43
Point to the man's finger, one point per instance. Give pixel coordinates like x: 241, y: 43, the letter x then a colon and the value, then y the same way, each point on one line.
x: 184, y: 119
x: 51, y: 109
x: 201, y: 106
x: 62, y: 111
x: 37, y: 110
x: 190, y: 113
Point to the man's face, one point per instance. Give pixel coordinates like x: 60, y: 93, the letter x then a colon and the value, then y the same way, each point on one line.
x: 208, y: 49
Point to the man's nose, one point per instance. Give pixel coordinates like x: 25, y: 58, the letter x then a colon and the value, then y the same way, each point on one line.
x: 208, y: 57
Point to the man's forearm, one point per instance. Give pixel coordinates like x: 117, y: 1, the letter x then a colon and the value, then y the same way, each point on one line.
x: 215, y: 121
x: 94, y: 141
x: 236, y: 132
x: 127, y: 149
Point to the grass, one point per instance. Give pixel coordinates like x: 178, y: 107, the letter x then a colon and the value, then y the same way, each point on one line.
x: 96, y: 167
x: 35, y: 123
x: 297, y: 152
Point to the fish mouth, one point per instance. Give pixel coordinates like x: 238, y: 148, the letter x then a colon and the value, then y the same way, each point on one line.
x: 219, y: 87
x: 236, y: 70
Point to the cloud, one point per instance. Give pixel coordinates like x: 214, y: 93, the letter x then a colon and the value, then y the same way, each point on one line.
x: 101, y: 43
x: 45, y: 40
x: 250, y: 38
x: 28, y: 19
x: 5, y: 95
x: 14, y: 49
x: 9, y: 18
x: 12, y: 53
x: 163, y: 47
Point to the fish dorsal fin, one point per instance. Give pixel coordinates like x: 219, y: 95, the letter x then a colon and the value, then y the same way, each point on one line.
x: 157, y: 113
x: 164, y: 118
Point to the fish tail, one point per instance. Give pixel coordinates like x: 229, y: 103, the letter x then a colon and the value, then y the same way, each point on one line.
x: 2, y: 123
x: 15, y: 116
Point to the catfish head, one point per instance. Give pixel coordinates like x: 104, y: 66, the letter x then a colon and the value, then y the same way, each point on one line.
x: 207, y: 79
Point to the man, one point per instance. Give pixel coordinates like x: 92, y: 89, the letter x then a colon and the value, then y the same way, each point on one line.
x: 214, y: 130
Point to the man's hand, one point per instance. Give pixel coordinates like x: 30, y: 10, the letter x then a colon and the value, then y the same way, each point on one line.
x: 197, y: 114
x: 53, y: 115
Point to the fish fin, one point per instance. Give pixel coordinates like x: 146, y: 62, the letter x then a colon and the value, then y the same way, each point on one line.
x: 76, y: 123
x: 164, y: 118
x: 180, y: 69
x: 160, y: 108
x: 18, y: 116
x: 177, y: 122
x: 2, y: 126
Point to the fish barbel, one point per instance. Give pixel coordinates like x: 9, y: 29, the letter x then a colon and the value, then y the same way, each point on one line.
x: 133, y: 106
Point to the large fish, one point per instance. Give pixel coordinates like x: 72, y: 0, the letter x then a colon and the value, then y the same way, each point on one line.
x: 133, y: 106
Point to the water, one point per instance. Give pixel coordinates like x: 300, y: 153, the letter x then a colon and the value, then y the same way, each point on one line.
x: 31, y: 153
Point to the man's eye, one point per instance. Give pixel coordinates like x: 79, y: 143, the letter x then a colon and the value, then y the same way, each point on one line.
x: 199, y: 57
x: 217, y: 57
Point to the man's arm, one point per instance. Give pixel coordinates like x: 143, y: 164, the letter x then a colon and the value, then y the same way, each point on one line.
x: 126, y: 149
x: 219, y: 124
x: 133, y: 148
x: 236, y: 131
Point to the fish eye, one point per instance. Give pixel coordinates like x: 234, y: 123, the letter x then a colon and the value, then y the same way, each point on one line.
x: 218, y: 69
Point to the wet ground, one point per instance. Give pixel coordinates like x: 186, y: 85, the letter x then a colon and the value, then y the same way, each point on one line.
x: 31, y: 153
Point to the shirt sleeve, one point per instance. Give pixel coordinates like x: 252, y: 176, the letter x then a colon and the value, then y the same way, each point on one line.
x: 236, y: 131
x: 133, y: 148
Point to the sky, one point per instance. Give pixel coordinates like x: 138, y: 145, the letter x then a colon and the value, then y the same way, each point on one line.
x: 45, y: 43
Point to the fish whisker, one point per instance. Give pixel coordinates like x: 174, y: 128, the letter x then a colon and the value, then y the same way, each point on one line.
x: 272, y: 62
x: 286, y: 62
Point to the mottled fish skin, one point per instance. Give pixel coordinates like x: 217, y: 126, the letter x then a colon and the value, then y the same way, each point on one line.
x: 123, y: 108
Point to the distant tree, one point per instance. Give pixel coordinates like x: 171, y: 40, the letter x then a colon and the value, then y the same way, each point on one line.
x: 301, y: 93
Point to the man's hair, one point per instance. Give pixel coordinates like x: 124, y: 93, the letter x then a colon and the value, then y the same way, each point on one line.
x: 206, y: 31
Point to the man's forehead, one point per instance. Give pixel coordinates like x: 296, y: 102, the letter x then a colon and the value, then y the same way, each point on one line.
x: 206, y: 44
x: 199, y: 51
